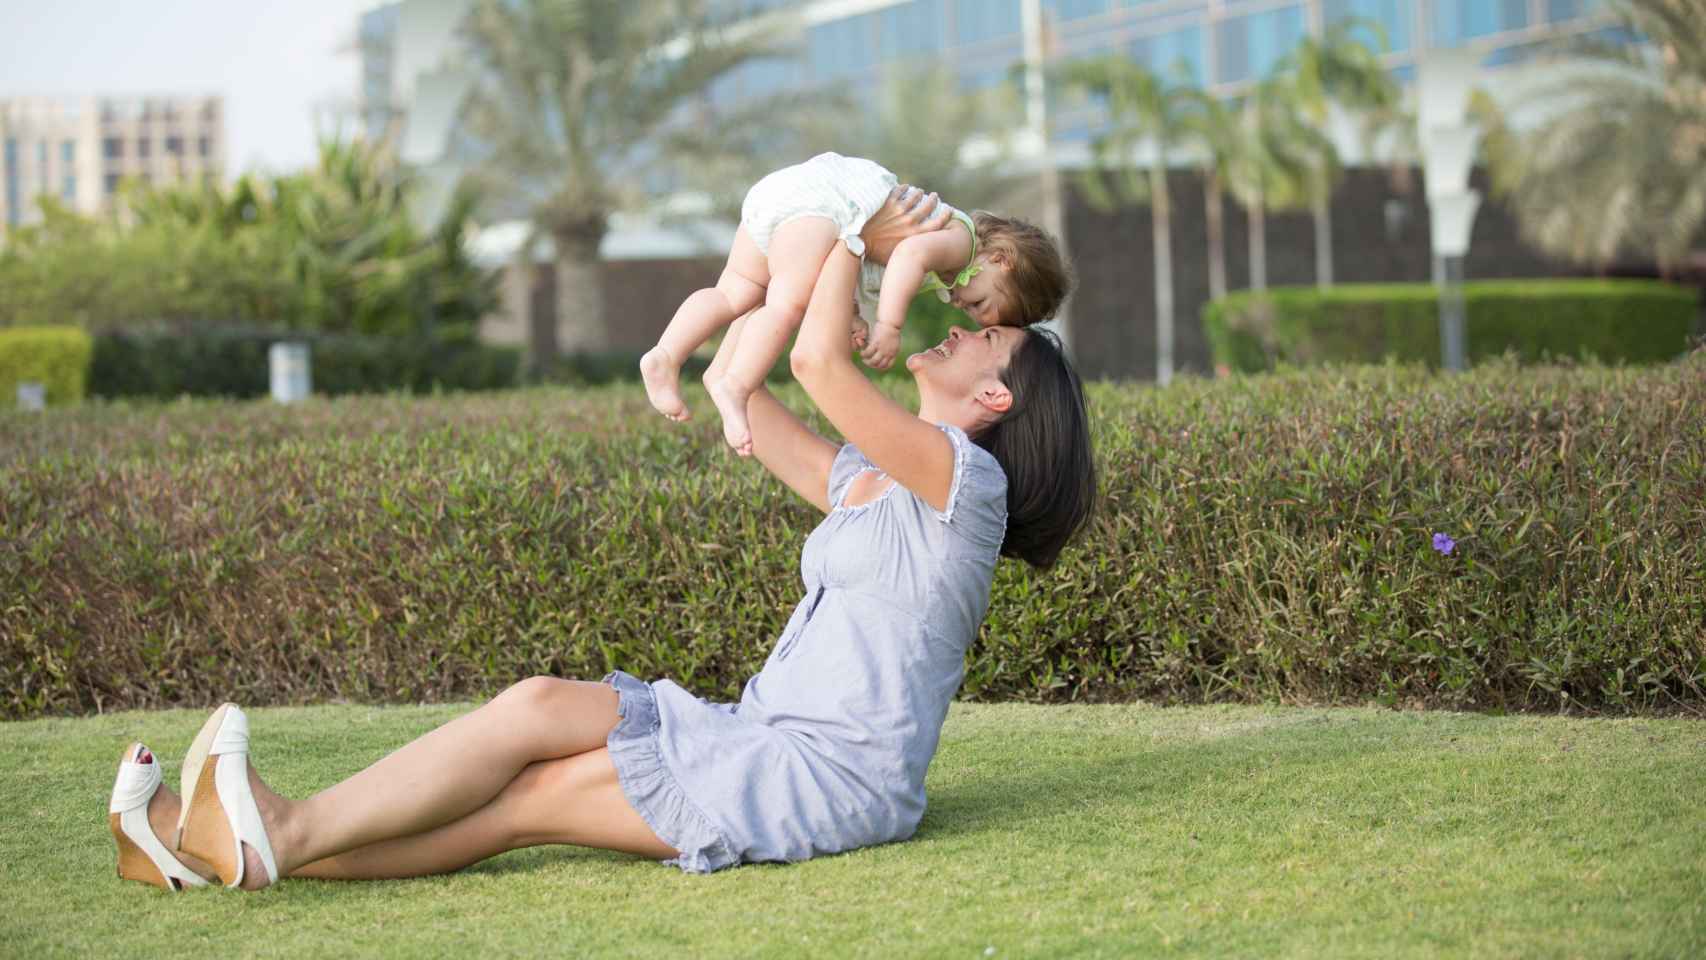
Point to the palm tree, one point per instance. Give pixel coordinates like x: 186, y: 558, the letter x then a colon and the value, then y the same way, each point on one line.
x: 575, y: 104
x: 1143, y: 109
x: 1618, y: 165
x: 1216, y: 132
x: 1273, y: 161
x: 1337, y: 69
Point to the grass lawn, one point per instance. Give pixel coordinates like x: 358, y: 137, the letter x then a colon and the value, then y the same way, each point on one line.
x: 1052, y: 831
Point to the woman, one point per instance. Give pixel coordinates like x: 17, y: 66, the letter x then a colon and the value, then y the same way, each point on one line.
x: 828, y: 746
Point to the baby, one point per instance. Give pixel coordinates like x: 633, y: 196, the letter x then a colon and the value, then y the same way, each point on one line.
x: 1001, y: 272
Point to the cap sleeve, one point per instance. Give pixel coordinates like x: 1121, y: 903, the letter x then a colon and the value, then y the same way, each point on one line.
x: 977, y: 499
x: 848, y: 462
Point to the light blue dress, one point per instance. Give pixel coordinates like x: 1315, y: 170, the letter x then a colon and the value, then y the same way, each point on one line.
x: 827, y: 748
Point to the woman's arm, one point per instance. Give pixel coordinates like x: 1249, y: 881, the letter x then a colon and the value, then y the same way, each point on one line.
x: 788, y: 448
x: 917, y: 455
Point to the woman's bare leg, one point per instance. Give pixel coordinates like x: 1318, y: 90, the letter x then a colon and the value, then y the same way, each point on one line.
x: 700, y: 316
x: 569, y: 800
x: 441, y: 776
x: 798, y: 249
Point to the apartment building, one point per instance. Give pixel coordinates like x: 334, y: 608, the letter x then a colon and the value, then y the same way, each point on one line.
x: 79, y: 149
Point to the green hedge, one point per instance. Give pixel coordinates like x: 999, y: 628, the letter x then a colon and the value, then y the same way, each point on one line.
x: 1633, y: 321
x: 234, y: 364
x: 56, y: 357
x: 1260, y: 538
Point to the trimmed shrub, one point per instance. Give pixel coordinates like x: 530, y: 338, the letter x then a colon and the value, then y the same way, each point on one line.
x: 1260, y: 539
x: 1632, y: 321
x: 56, y: 357
x: 234, y: 364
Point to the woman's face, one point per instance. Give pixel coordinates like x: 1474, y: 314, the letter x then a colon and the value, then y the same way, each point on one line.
x: 964, y: 368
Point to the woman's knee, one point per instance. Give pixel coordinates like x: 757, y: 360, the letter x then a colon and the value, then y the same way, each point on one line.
x: 559, y: 717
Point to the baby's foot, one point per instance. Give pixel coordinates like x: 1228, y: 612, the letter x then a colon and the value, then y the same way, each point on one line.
x: 661, y: 375
x: 731, y: 403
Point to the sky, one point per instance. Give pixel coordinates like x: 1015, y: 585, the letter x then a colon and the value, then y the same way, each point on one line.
x: 275, y: 63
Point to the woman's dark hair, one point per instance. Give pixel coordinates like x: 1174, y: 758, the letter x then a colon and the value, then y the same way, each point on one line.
x: 1043, y: 443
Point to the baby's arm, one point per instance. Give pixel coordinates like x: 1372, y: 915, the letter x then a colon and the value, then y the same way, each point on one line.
x: 944, y: 251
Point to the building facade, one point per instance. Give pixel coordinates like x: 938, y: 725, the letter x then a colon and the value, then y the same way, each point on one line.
x: 409, y: 83
x: 1220, y: 44
x: 79, y: 150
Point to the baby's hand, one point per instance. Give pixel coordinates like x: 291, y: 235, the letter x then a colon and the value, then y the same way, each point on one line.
x: 861, y: 333
x: 885, y: 343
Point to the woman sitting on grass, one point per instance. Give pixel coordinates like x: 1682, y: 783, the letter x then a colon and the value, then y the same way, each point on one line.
x: 826, y: 750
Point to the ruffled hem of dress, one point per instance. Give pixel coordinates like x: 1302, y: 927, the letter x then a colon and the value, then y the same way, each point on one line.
x: 652, y: 789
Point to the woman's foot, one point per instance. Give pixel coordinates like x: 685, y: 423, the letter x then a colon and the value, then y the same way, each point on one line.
x: 661, y: 375
x: 229, y: 815
x: 731, y: 404
x: 142, y: 811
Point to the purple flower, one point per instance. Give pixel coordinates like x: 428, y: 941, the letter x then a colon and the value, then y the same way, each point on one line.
x: 1444, y: 544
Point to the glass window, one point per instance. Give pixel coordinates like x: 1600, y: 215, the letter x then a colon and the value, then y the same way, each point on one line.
x: 112, y: 183
x: 1557, y: 10
x: 204, y: 146
x: 112, y: 148
x: 978, y: 20
x: 1165, y: 54
x: 68, y: 153
x: 1458, y: 20
x: 41, y: 160
x: 68, y: 188
x: 1074, y: 9
x: 143, y: 146
x: 1248, y: 47
x: 840, y: 47
x: 909, y: 29
x: 1394, y: 17
x: 174, y: 146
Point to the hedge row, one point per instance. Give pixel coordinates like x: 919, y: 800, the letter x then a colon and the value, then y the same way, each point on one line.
x: 224, y: 363
x: 55, y: 357
x: 1634, y: 321
x: 1264, y: 538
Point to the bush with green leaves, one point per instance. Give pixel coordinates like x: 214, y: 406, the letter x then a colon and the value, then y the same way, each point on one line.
x: 1633, y: 321
x: 1268, y: 538
x: 331, y: 249
x: 55, y: 357
x: 234, y: 363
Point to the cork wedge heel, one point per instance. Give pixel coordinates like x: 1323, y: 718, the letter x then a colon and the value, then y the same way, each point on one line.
x: 219, y: 810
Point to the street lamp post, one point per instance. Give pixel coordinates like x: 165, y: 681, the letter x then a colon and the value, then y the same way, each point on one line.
x: 1443, y: 80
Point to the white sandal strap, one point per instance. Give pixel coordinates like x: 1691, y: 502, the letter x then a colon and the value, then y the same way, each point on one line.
x: 134, y: 786
x: 231, y: 781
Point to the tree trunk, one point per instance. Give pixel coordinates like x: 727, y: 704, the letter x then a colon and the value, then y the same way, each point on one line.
x: 1321, y: 208
x: 540, y: 318
x: 1258, y: 214
x: 580, y: 323
x: 1215, y: 216
x: 1161, y: 220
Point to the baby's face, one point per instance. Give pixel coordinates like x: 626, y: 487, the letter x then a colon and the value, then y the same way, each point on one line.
x: 984, y: 297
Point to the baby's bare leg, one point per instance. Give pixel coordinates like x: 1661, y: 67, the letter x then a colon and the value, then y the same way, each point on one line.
x: 797, y: 251
x: 702, y: 314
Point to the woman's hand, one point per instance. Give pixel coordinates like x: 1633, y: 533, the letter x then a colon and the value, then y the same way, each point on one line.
x: 907, y: 212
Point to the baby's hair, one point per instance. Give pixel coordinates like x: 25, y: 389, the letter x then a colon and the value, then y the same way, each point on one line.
x: 1038, y: 277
